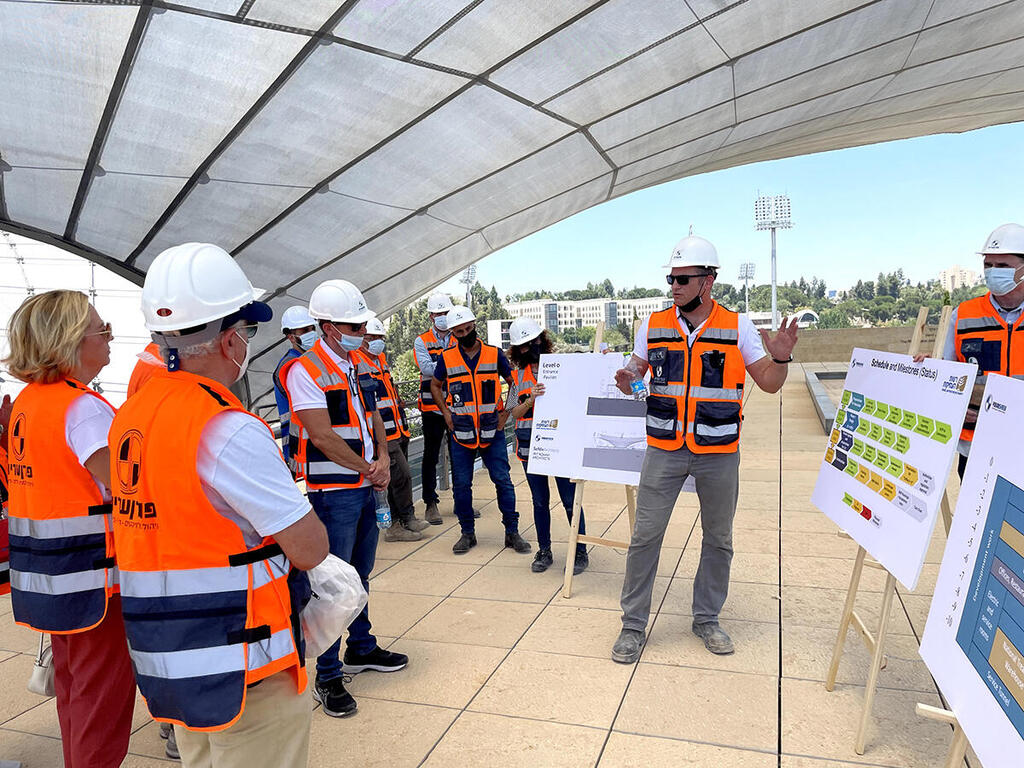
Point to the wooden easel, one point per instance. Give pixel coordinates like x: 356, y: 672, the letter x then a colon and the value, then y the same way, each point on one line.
x: 958, y: 748
x: 876, y: 642
x: 577, y: 507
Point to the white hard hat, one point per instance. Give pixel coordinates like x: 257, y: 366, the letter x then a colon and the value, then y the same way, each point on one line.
x: 460, y: 315
x: 523, y: 329
x: 296, y: 317
x: 339, y: 302
x: 693, y: 251
x: 374, y: 327
x: 1007, y: 239
x: 439, y: 302
x: 193, y: 284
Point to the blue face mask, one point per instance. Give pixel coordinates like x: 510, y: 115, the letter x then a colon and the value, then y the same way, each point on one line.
x: 1000, y: 280
x: 307, y: 340
x: 376, y: 347
x: 351, y: 343
x: 441, y: 323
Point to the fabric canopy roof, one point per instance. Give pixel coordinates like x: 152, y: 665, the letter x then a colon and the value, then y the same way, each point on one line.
x: 394, y: 142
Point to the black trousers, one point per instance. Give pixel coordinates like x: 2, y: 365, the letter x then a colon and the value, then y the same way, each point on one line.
x: 961, y: 464
x: 435, y: 432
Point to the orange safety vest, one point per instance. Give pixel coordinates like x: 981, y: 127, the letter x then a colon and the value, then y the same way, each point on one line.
x: 524, y: 380
x: 62, y: 547
x: 474, y: 397
x: 983, y: 337
x: 5, y: 547
x: 320, y: 472
x: 145, y: 367
x: 435, y: 348
x: 696, y: 395
x: 375, y: 376
x: 206, y: 614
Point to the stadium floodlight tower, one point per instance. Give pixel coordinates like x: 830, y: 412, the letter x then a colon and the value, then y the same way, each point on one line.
x: 772, y: 212
x: 469, y: 277
x: 746, y: 275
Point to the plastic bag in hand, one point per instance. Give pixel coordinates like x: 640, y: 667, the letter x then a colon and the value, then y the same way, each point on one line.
x: 338, y: 597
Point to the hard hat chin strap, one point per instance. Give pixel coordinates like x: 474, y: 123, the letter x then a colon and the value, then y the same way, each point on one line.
x: 172, y: 342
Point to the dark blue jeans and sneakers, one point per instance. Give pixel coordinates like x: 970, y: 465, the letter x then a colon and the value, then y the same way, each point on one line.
x: 495, y: 459
x: 350, y: 518
x: 540, y: 490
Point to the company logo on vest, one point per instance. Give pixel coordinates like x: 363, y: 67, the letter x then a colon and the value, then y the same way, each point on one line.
x: 129, y: 471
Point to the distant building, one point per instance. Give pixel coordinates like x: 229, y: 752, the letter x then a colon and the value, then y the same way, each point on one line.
x: 958, y: 277
x: 497, y: 333
x: 804, y: 318
x: 558, y: 316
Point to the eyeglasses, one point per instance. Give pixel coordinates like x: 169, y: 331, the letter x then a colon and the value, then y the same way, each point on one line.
x: 107, y: 331
x: 354, y: 327
x: 248, y: 330
x: 685, y: 279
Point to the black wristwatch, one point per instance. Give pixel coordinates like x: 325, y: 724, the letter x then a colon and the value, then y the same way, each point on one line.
x: 782, y: 362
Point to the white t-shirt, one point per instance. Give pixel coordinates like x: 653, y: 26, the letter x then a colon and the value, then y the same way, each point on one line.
x: 239, y: 465
x: 749, y: 343
x: 86, y: 425
x: 306, y: 395
x: 242, y: 474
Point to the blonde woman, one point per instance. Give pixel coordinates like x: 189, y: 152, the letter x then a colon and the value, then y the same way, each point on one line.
x: 63, y: 575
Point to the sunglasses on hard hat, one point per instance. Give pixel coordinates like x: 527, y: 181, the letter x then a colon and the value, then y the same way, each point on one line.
x: 685, y: 279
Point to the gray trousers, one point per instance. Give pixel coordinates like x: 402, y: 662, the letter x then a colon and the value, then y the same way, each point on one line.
x: 400, y: 487
x: 661, y: 479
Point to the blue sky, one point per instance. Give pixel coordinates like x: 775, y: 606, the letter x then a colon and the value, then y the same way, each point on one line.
x: 921, y: 204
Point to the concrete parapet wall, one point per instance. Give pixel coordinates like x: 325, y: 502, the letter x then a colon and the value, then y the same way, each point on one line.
x: 831, y: 344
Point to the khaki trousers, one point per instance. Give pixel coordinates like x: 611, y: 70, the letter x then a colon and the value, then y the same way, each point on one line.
x: 273, y: 730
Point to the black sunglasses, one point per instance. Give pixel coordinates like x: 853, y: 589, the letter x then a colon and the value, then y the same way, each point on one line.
x: 685, y: 279
x: 248, y: 330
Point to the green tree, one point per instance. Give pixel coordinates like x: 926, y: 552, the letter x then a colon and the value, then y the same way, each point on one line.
x: 833, y: 318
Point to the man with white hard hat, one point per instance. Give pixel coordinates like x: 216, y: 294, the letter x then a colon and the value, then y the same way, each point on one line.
x: 299, y: 329
x: 698, y: 354
x: 473, y: 411
x: 375, y: 374
x: 428, y: 348
x: 212, y: 534
x: 343, y: 455
x: 981, y: 330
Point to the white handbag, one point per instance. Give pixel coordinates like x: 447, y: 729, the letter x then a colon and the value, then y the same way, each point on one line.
x: 41, y: 680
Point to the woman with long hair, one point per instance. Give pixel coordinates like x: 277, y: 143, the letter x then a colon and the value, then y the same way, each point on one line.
x: 63, y: 571
x: 528, y: 341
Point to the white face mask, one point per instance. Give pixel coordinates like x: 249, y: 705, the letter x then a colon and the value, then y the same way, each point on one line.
x: 376, y: 347
x: 307, y: 340
x: 1001, y: 280
x: 245, y: 360
x: 441, y: 323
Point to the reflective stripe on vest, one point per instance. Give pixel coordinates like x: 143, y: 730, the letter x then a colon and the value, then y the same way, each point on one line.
x: 377, y: 371
x: 435, y: 349
x: 319, y: 471
x: 474, y: 397
x: 206, y: 614
x: 984, y: 338
x: 61, y: 543
x: 524, y: 380
x: 696, y: 387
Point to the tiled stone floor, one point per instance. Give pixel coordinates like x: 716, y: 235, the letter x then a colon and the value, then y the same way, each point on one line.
x: 506, y: 672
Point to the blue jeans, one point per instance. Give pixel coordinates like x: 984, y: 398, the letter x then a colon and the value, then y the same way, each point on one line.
x: 350, y: 516
x: 540, y: 489
x: 495, y: 458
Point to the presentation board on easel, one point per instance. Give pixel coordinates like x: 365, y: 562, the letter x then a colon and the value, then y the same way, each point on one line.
x: 883, y: 476
x: 974, y: 640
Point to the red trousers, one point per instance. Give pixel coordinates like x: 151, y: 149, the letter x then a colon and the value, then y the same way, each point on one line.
x: 95, y: 689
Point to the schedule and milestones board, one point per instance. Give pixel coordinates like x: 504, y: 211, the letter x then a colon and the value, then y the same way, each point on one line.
x: 974, y: 639
x: 884, y: 471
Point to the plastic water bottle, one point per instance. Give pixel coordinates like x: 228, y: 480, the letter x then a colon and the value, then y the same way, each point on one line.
x: 383, y: 510
x: 638, y: 387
